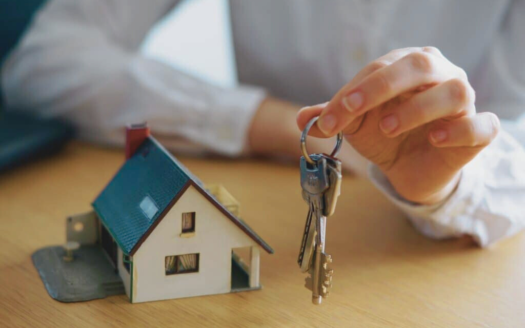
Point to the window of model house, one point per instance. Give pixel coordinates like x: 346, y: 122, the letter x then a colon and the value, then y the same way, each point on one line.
x: 125, y: 262
x: 182, y: 264
x: 188, y: 222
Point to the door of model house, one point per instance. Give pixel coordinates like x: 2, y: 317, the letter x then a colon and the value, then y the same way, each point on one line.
x: 240, y: 269
x: 109, y: 245
x: 245, y: 268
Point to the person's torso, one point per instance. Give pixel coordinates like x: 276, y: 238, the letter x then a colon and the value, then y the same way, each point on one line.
x: 306, y: 50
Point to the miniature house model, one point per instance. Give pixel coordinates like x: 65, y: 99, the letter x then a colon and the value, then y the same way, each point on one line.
x: 166, y: 235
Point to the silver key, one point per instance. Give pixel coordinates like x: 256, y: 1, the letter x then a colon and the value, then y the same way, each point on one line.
x: 315, y: 182
x: 307, y: 244
x: 321, y: 185
x: 321, y: 181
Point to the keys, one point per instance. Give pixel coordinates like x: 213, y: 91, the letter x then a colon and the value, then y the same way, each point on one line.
x: 321, y: 184
x: 307, y: 246
x: 315, y: 182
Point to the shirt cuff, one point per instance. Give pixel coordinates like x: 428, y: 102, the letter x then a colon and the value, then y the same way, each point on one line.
x: 452, y: 217
x: 228, y: 124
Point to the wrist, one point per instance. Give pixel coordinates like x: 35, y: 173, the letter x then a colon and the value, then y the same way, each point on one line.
x: 273, y: 131
x: 416, y: 195
x: 444, y: 193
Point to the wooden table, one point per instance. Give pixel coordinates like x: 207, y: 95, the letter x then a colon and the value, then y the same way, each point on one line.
x: 386, y: 274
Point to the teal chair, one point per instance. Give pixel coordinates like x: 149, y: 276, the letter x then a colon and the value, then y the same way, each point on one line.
x: 16, y: 15
x: 23, y: 137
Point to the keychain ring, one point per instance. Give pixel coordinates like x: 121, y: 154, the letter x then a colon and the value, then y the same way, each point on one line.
x: 337, y: 147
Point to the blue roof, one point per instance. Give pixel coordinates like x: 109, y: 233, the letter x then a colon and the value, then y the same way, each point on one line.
x: 150, y: 172
x: 143, y: 189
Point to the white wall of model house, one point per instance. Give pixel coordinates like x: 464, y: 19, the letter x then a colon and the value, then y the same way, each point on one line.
x: 215, y: 237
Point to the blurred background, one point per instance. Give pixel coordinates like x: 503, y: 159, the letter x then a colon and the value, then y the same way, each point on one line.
x: 210, y: 26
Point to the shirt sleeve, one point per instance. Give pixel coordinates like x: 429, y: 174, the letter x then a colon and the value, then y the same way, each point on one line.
x: 80, y: 60
x: 487, y: 204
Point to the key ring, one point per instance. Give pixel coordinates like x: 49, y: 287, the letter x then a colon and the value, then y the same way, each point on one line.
x: 337, y: 147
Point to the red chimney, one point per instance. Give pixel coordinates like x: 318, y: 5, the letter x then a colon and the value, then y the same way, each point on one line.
x: 135, y: 136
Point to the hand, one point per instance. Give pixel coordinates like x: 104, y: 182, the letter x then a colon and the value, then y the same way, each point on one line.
x: 412, y: 113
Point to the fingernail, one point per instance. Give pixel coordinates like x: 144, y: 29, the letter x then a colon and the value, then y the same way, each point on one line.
x: 438, y: 136
x: 353, y: 101
x: 389, y: 123
x: 327, y: 123
x: 322, y: 105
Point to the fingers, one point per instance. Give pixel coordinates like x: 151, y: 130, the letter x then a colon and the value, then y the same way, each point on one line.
x: 306, y: 114
x: 412, y: 71
x: 377, y: 64
x: 388, y: 77
x: 452, y: 98
x: 467, y: 131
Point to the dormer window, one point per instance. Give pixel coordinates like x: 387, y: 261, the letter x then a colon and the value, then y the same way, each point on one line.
x: 188, y: 223
x: 148, y: 207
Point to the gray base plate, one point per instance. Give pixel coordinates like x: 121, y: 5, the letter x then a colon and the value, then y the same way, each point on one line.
x: 89, y: 276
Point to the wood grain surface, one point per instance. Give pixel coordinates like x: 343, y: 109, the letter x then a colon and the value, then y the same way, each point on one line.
x: 386, y: 274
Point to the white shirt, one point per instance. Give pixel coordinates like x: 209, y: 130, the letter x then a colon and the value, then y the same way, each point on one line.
x: 80, y: 60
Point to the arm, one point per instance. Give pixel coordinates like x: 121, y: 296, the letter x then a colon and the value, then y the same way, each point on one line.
x: 80, y: 60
